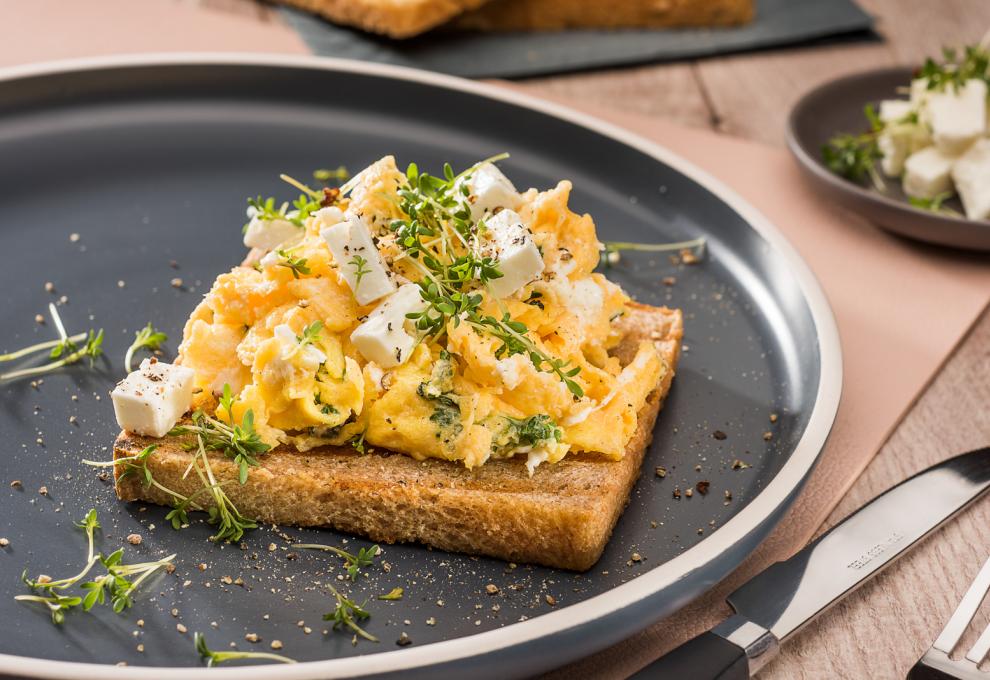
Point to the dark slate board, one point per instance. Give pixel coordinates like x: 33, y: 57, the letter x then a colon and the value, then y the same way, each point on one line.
x: 520, y: 55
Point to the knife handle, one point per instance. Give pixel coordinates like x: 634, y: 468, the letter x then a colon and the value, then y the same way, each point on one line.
x: 706, y: 657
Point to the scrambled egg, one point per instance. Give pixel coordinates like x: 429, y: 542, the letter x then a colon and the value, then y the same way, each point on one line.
x: 280, y: 335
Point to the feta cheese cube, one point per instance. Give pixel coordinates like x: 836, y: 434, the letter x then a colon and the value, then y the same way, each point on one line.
x: 511, y: 243
x: 383, y: 337
x: 927, y: 173
x: 958, y: 116
x: 490, y: 189
x: 269, y: 234
x: 894, y: 110
x: 971, y: 174
x: 358, y: 259
x: 919, y: 92
x: 895, y: 149
x: 151, y: 400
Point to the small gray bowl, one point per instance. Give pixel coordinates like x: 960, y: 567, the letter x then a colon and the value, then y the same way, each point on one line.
x: 836, y: 107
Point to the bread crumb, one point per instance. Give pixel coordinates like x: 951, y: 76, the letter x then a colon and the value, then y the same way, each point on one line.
x: 767, y: 436
x: 134, y: 539
x: 44, y: 489
x: 773, y: 417
x: 140, y: 648
x: 551, y: 600
x: 491, y: 589
x: 661, y: 472
x: 40, y: 320
x: 276, y: 644
x: 181, y: 628
x: 404, y: 640
x: 176, y: 282
x: 252, y: 637
x: 4, y: 542
x: 17, y: 484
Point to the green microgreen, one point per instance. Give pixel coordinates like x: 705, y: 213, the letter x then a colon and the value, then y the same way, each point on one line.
x: 935, y: 204
x: 146, y: 338
x: 611, y: 249
x: 361, y: 269
x: 394, y: 594
x: 115, y: 586
x: 239, y: 441
x: 63, y: 351
x: 213, y: 658
x: 325, y: 175
x: 956, y: 67
x: 297, y: 265
x: 347, y: 613
x: 137, y: 466
x: 354, y: 562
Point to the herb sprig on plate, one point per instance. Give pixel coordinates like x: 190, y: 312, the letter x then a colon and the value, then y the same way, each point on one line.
x: 214, y: 658
x: 115, y: 586
x: 347, y: 613
x: 354, y: 562
x: 63, y: 351
x: 146, y: 338
x: 442, y: 242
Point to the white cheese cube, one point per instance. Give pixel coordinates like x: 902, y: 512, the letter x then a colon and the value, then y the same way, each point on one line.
x: 358, y: 259
x: 383, y: 337
x: 958, y: 116
x: 927, y: 173
x: 894, y: 110
x: 269, y: 234
x: 490, y: 189
x: 511, y: 243
x: 919, y: 92
x: 895, y: 149
x: 971, y: 174
x: 151, y: 400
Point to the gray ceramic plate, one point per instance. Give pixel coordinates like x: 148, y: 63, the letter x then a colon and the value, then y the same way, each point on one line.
x: 150, y: 159
x: 837, y: 106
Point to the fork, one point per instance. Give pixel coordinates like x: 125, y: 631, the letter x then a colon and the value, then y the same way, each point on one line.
x: 936, y: 664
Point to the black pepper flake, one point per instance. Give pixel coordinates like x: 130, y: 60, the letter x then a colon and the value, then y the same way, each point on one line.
x: 677, y: 492
x: 702, y: 487
x: 719, y: 435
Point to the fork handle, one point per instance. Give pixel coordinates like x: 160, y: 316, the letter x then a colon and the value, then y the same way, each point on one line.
x: 706, y: 657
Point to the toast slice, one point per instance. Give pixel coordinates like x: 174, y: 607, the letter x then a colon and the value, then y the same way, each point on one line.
x: 394, y: 18
x: 562, y: 516
x: 544, y: 15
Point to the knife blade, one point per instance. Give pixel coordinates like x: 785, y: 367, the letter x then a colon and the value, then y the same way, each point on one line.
x: 776, y: 603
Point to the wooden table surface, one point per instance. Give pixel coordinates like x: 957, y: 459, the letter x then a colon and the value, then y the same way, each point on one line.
x: 882, y: 629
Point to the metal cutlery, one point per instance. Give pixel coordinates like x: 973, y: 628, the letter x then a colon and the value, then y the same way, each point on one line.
x: 777, y: 603
x: 937, y: 664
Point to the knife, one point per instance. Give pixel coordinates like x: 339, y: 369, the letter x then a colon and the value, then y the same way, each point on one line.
x: 778, y: 602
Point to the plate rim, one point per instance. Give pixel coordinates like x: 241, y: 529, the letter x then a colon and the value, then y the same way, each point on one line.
x: 845, y: 187
x: 763, y: 507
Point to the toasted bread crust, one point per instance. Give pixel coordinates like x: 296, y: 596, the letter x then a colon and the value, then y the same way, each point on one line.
x: 394, y: 18
x: 562, y: 516
x: 537, y: 15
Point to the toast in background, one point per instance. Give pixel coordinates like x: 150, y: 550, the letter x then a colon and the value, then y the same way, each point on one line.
x: 394, y: 18
x: 562, y: 516
x: 537, y: 15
